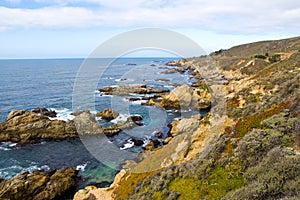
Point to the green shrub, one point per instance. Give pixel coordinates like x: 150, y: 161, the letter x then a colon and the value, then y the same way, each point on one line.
x: 274, y: 58
x: 260, y: 56
x: 276, y: 177
x: 256, y: 144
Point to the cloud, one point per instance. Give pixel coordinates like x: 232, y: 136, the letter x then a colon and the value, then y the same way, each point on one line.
x: 13, y: 1
x: 248, y: 16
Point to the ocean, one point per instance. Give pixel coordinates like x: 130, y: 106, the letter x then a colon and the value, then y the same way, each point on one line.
x: 32, y: 83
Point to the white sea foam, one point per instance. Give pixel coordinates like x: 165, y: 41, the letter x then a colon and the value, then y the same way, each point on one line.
x: 146, y: 141
x: 35, y: 167
x: 81, y: 167
x: 9, y: 172
x: 138, y: 101
x: 6, y: 146
x: 128, y: 145
x: 62, y: 114
x: 120, y: 118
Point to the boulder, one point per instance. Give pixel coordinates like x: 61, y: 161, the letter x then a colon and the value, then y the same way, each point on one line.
x: 137, y: 142
x: 153, y: 144
x: 107, y: 114
x: 25, y: 127
x: 167, y: 140
x: 40, y: 185
x: 183, y: 97
x: 185, y: 125
x: 136, y: 118
x: 86, y: 124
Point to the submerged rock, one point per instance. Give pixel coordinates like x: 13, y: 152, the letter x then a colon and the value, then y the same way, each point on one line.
x: 40, y: 185
x: 23, y: 126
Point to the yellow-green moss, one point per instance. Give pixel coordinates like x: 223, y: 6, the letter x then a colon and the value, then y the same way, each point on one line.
x: 157, y: 196
x: 222, y: 180
x: 219, y: 181
x: 189, y: 188
x: 128, y: 184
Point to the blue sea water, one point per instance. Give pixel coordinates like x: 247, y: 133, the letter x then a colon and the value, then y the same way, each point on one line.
x: 27, y: 84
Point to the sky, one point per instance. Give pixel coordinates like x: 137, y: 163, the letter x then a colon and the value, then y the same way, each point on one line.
x: 74, y: 28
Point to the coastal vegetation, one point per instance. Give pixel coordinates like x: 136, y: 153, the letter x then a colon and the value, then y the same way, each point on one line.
x: 252, y: 151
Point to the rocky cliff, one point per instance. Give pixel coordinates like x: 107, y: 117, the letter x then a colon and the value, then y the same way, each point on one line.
x: 247, y: 147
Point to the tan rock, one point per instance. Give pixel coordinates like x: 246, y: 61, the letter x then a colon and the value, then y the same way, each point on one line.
x: 167, y: 140
x: 126, y: 89
x: 40, y: 185
x: 25, y: 126
x: 107, y: 114
x: 91, y: 192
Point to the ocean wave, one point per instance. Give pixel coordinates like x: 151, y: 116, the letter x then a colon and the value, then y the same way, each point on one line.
x: 6, y: 146
x: 138, y: 102
x: 64, y: 114
x: 120, y: 118
x: 129, y: 144
x: 81, y: 167
x: 9, y: 172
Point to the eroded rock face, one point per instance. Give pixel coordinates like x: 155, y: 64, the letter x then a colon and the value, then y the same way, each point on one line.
x: 183, y: 97
x: 25, y: 126
x: 40, y: 185
x: 86, y: 124
x: 91, y: 192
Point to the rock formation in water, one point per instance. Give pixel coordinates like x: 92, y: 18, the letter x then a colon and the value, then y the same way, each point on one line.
x: 23, y: 126
x: 40, y: 185
x: 127, y: 89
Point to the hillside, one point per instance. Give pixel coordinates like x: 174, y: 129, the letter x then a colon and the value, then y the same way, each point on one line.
x: 248, y: 145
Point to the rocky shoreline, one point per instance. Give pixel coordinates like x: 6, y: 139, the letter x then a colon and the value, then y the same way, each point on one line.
x: 26, y: 127
x: 245, y: 147
x: 40, y: 185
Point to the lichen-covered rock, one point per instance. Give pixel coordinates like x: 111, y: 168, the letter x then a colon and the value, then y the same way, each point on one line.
x: 40, y: 185
x: 25, y: 126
